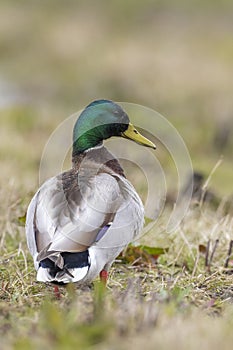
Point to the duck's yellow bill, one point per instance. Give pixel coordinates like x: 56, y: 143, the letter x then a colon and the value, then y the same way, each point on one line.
x: 133, y: 134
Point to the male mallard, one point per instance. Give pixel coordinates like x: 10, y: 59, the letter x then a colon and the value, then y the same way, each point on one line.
x: 80, y: 220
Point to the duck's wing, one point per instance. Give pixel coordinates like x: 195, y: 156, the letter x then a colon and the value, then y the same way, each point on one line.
x: 69, y: 213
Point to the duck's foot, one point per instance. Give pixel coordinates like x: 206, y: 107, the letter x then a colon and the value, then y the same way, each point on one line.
x: 104, y: 277
x: 56, y: 292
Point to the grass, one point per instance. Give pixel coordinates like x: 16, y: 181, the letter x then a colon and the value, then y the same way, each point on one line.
x: 176, y: 58
x: 183, y: 297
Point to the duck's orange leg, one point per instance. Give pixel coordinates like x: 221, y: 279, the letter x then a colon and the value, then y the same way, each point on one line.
x: 104, y: 276
x: 56, y: 292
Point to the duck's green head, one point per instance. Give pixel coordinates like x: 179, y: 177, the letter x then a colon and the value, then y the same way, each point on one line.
x: 101, y: 120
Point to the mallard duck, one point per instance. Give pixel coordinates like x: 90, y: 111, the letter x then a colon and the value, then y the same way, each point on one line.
x: 79, y: 221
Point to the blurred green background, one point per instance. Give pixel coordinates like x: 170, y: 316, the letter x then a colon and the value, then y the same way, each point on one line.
x: 173, y: 56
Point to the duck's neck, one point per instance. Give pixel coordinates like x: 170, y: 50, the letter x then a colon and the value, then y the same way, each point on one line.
x: 98, y: 155
x: 77, y: 156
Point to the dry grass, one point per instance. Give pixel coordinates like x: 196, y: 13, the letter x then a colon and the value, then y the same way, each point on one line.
x: 182, y: 299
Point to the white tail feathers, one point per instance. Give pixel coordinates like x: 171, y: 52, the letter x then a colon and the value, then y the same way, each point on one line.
x: 78, y: 274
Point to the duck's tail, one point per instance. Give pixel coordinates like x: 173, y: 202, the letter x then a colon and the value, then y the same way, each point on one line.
x: 74, y: 269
